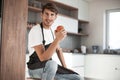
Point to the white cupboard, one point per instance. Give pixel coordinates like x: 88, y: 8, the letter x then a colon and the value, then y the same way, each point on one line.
x: 73, y: 3
x: 78, y: 64
x: 83, y: 11
x: 70, y: 24
x: 102, y: 66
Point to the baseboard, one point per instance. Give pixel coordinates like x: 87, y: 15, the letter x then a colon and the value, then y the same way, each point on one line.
x: 86, y: 78
x: 32, y: 78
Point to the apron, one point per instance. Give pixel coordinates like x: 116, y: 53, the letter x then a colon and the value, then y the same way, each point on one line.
x: 35, y: 63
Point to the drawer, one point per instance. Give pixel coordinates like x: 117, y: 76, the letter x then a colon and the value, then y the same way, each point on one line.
x: 77, y: 60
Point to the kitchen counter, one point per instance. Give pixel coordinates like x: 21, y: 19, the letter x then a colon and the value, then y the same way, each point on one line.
x: 90, y: 53
x: 100, y: 54
x: 65, y: 50
x: 97, y: 66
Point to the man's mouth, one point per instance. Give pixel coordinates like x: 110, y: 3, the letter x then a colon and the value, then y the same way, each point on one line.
x: 48, y: 21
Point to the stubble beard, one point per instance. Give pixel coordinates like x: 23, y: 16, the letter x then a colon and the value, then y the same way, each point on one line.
x: 48, y: 23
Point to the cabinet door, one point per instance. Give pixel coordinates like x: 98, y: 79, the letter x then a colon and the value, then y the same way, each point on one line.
x: 73, y: 3
x: 105, y: 67
x: 78, y: 64
x: 77, y: 60
x: 70, y: 24
x: 83, y: 10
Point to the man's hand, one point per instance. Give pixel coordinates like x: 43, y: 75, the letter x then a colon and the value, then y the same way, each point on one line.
x: 60, y: 33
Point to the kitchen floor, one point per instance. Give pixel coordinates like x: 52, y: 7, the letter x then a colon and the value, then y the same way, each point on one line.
x: 91, y: 79
x: 26, y: 69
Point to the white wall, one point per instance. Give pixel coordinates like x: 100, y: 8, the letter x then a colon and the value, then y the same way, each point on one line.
x: 96, y: 25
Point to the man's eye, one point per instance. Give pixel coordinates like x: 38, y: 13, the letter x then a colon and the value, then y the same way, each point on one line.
x: 52, y: 14
x: 47, y: 14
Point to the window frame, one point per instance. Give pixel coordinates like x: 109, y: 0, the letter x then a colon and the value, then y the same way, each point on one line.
x: 107, y: 26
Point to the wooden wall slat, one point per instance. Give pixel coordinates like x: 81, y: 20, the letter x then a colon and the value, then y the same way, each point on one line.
x: 13, y: 47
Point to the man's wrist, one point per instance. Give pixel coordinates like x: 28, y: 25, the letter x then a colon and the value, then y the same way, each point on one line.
x: 57, y: 40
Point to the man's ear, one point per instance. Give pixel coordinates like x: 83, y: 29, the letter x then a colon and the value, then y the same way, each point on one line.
x: 41, y: 14
x: 56, y: 16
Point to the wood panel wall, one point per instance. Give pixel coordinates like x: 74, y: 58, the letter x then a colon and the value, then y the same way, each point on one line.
x: 13, y: 47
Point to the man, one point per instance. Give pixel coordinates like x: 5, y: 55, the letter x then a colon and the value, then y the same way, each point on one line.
x: 42, y: 46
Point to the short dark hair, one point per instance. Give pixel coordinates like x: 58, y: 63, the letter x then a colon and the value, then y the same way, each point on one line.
x: 51, y: 6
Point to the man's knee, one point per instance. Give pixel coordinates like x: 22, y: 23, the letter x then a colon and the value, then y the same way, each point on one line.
x: 52, y: 65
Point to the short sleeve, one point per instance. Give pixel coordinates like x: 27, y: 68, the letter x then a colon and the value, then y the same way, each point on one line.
x: 35, y: 37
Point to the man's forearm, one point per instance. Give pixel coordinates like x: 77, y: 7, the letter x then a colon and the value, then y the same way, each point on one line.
x: 61, y: 57
x: 50, y: 51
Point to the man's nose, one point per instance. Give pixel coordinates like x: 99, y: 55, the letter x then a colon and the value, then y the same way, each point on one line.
x: 49, y: 17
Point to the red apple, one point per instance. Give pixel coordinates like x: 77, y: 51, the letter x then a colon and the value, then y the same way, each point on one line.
x: 59, y: 28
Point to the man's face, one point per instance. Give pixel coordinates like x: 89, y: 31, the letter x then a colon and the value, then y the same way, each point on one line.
x: 48, y: 17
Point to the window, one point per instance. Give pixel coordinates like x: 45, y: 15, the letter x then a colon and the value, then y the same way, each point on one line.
x: 113, y: 29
